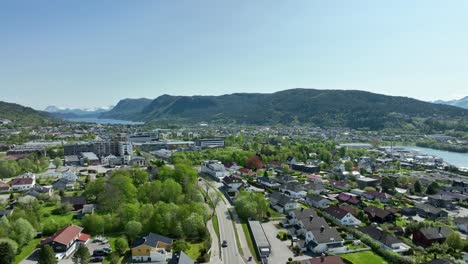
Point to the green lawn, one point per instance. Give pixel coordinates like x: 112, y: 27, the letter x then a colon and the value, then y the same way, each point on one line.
x: 194, y: 250
x: 400, y: 222
x: 27, y: 250
x: 250, y: 243
x: 216, y: 225
x: 61, y: 220
x: 364, y: 257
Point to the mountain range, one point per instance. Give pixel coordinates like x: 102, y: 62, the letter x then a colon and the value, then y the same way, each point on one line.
x: 327, y: 108
x: 463, y: 103
x: 76, y: 112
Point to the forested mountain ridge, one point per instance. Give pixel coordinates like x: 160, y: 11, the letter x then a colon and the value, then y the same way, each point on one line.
x: 343, y: 108
x: 127, y: 109
x: 23, y: 115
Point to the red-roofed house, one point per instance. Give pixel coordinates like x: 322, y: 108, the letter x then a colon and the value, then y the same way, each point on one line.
x: 22, y: 184
x: 244, y: 171
x: 66, y: 240
x: 339, y: 184
x: 315, y: 178
x: 4, y: 186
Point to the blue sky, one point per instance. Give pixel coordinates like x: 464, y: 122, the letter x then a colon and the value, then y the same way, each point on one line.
x: 92, y: 53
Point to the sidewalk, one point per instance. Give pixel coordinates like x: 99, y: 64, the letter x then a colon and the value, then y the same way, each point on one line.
x: 215, y: 257
x: 242, y: 238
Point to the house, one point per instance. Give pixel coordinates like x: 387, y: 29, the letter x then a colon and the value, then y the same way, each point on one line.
x: 215, y: 169
x: 151, y: 248
x: 364, y: 182
x: 341, y: 216
x: 322, y: 260
x: 244, y: 171
x: 233, y: 183
x: 4, y: 187
x: 291, y: 160
x: 319, y: 236
x: 282, y: 203
x: 442, y: 201
x: 109, y: 159
x: 89, y: 158
x: 409, y: 211
x: 180, y: 258
x: 71, y: 160
x: 378, y: 215
x: 63, y: 184
x: 339, y: 184
x: 77, y: 202
x: 294, y: 189
x: 69, y: 175
x: 232, y: 167
x: 462, y: 224
x: 314, y: 187
x: 430, y: 212
x: 379, y: 196
x: 66, y: 240
x: 317, y: 201
x: 22, y: 184
x: 315, y: 178
x: 286, y: 179
x: 5, y: 213
x: 349, y: 198
x: 268, y: 182
x: 305, y: 168
x: 38, y: 191
x: 387, y: 241
x: 431, y: 235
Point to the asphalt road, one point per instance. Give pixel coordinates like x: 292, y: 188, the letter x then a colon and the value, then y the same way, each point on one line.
x: 229, y: 254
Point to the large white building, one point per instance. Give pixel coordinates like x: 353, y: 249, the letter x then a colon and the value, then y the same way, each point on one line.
x: 211, y: 143
x: 215, y: 169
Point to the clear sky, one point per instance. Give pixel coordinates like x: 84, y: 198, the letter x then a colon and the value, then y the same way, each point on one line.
x: 91, y: 53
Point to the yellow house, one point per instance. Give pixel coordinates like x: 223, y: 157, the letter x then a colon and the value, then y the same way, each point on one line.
x: 151, y: 247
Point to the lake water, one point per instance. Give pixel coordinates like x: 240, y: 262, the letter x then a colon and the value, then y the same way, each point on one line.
x: 453, y: 158
x: 103, y: 121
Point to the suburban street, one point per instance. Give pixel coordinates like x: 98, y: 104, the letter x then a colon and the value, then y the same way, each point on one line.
x: 229, y: 254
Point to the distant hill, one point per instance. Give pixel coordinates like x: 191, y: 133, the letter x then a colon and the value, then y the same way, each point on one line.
x: 127, y: 109
x: 76, y: 112
x: 463, y: 103
x: 23, y: 115
x: 327, y: 108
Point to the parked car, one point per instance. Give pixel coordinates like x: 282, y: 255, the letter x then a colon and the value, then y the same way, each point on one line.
x: 97, y: 259
x: 99, y: 253
x: 107, y: 250
x: 224, y: 243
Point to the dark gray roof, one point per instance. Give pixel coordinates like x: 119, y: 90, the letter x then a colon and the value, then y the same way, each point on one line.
x: 379, y: 235
x: 427, y: 208
x: 315, y: 198
x: 436, y: 232
x: 180, y: 258
x: 439, y: 261
x: 327, y: 235
x: 151, y: 240
x: 281, y: 199
x: 74, y: 200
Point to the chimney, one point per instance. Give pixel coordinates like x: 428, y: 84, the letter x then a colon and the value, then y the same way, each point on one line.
x: 322, y: 228
x: 311, y: 217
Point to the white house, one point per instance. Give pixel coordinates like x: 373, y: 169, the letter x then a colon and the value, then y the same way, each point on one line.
x: 317, y: 201
x: 341, y: 216
x: 22, y: 184
x: 215, y: 169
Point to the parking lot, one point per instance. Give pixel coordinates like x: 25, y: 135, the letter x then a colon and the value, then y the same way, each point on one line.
x: 91, y: 245
x: 279, y: 249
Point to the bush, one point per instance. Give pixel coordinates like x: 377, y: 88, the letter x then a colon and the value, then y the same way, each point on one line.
x: 283, y: 236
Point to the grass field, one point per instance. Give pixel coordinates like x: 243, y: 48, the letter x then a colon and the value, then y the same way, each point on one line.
x: 250, y: 243
x: 364, y: 257
x: 194, y: 250
x: 27, y: 250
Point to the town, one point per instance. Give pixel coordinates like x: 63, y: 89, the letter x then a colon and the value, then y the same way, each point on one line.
x: 226, y: 194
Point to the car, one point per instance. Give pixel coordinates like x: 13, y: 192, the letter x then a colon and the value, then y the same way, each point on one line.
x: 97, y: 259
x: 107, y: 250
x: 99, y: 253
x: 224, y: 243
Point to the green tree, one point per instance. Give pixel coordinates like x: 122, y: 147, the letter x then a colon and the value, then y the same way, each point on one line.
x: 93, y: 223
x: 417, y: 187
x: 121, y: 245
x: 58, y: 162
x: 7, y: 254
x: 47, y: 255
x: 22, y: 231
x: 133, y: 229
x: 81, y: 255
x: 433, y: 188
x: 251, y: 205
x: 348, y: 165
x: 388, y: 185
x: 180, y: 245
x: 454, y: 241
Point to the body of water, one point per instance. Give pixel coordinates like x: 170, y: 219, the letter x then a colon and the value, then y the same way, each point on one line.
x: 453, y: 158
x: 103, y: 121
